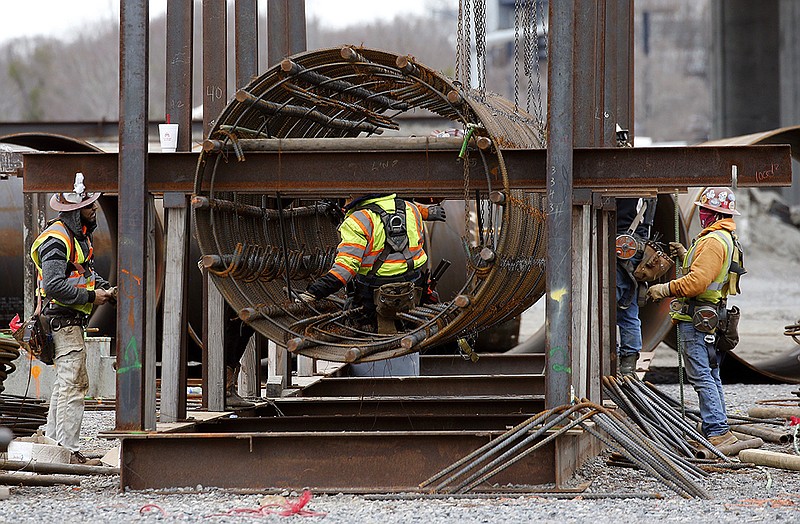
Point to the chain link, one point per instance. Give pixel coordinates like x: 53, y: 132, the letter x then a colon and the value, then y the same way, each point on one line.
x: 517, y: 12
x: 480, y: 45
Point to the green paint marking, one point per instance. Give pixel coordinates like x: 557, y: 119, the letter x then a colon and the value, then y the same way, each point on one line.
x: 130, y: 357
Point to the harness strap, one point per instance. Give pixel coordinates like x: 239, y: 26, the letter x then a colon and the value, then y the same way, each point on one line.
x: 394, y: 227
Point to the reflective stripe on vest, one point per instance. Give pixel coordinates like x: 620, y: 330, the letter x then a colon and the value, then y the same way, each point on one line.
x: 75, y: 254
x: 372, y: 227
x: 714, y: 292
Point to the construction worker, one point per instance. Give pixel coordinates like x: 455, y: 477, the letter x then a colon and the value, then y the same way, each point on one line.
x: 381, y: 243
x: 711, y: 268
x: 70, y: 286
x: 634, y: 217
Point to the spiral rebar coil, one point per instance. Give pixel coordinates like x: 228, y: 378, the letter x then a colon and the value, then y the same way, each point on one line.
x: 250, y: 247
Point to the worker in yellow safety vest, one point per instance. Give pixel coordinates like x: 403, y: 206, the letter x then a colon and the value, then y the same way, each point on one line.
x: 711, y: 269
x: 70, y: 287
x: 381, y: 243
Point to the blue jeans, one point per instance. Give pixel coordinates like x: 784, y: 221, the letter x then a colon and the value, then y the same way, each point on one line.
x: 630, y: 327
x: 704, y: 378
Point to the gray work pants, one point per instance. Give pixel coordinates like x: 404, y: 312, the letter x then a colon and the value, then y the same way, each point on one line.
x: 72, y: 383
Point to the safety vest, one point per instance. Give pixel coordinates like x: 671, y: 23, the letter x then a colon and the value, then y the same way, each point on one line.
x: 726, y: 281
x: 80, y: 275
x: 354, y: 256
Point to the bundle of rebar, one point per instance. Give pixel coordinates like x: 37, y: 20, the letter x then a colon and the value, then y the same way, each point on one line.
x: 663, y: 419
x: 23, y: 415
x: 673, y: 470
x: 9, y: 352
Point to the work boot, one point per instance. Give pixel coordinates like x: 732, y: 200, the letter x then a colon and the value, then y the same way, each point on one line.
x: 232, y: 398
x: 726, y: 439
x: 78, y: 458
x: 627, y: 365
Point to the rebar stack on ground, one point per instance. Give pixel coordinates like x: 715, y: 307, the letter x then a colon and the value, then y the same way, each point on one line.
x: 263, y: 248
x: 676, y: 472
x: 659, y: 416
x: 23, y: 415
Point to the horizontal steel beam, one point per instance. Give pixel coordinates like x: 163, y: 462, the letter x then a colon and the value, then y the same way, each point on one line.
x: 363, y: 422
x: 427, y: 386
x: 465, y: 404
x: 376, y: 462
x: 493, y: 364
x: 420, y: 172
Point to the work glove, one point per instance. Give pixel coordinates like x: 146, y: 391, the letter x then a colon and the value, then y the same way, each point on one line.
x: 304, y: 297
x: 436, y: 213
x: 676, y: 249
x: 658, y: 291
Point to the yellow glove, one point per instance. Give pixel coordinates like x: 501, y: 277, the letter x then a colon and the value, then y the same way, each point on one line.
x: 676, y: 249
x: 658, y: 291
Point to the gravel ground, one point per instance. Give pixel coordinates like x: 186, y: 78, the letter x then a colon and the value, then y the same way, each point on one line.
x: 746, y: 496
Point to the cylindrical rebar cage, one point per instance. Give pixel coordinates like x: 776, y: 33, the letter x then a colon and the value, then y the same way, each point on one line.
x: 263, y: 248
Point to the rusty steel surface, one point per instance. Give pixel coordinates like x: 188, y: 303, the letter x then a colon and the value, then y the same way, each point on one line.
x: 487, y: 364
x: 561, y: 109
x: 353, y: 460
x: 307, y: 173
x: 427, y: 386
x: 133, y: 205
x: 371, y: 423
x: 466, y: 404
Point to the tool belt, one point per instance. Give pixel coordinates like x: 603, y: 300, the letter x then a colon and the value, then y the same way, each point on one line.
x: 654, y: 265
x: 705, y: 316
x: 61, y: 317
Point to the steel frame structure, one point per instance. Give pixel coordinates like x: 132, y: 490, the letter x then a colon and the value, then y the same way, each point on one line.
x: 590, y: 86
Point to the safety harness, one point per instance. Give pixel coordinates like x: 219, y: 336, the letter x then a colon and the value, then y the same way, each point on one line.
x: 394, y: 226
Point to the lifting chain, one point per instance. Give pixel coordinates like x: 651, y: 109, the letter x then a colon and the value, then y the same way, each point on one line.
x: 517, y: 14
x: 480, y: 45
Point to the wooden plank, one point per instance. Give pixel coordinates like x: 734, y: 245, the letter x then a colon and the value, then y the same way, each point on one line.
x: 278, y: 357
x: 305, y: 366
x: 248, y: 375
x: 173, y: 396
x: 583, y: 298
x: 150, y: 325
x: 216, y: 355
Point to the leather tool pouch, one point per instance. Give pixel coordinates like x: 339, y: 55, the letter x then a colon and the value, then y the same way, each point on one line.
x: 728, y: 330
x: 654, y: 265
x: 37, y: 338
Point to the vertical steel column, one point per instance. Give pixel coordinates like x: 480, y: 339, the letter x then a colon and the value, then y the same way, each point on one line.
x: 34, y: 222
x: 246, y: 44
x: 180, y: 16
x: 286, y: 29
x: 559, y: 203
x: 132, y: 245
x: 246, y: 41
x: 215, y: 64
x: 286, y: 36
x: 618, y: 70
x: 215, y: 88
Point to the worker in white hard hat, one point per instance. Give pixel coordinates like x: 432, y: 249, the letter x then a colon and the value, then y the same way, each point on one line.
x: 69, y: 287
x: 711, y: 269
